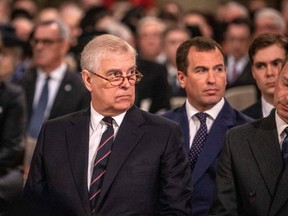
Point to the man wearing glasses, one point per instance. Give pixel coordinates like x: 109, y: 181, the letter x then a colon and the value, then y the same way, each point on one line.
x: 113, y: 158
x: 52, y: 88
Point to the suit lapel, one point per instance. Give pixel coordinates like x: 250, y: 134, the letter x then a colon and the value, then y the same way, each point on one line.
x: 78, y: 145
x: 265, y: 148
x: 214, y: 142
x: 183, y: 121
x: 126, y: 139
x: 280, y: 197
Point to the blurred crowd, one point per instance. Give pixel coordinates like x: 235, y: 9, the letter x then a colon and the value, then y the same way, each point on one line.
x: 49, y: 40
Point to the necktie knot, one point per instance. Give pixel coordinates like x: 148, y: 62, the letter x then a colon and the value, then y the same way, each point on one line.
x: 286, y: 130
x: 202, y: 117
x: 108, y: 121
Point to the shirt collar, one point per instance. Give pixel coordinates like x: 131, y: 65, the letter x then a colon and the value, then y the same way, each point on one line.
x: 266, y: 107
x: 96, y: 118
x: 213, y: 112
x: 280, y: 124
x: 56, y: 74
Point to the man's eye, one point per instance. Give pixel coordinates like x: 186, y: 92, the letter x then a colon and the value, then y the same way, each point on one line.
x: 200, y: 70
x: 259, y: 66
x: 277, y: 62
x: 219, y: 69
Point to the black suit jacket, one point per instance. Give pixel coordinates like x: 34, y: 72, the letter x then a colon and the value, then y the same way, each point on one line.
x: 251, y: 179
x: 147, y: 172
x: 12, y: 127
x: 154, y: 85
x: 254, y: 111
x: 72, y: 95
x: 245, y: 78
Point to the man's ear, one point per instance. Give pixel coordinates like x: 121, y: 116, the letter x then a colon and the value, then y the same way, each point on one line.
x: 181, y: 78
x: 86, y: 77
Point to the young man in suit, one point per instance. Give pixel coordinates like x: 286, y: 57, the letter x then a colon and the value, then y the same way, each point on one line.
x: 66, y: 92
x: 147, y: 172
x: 266, y: 53
x: 252, y: 174
x: 202, y: 73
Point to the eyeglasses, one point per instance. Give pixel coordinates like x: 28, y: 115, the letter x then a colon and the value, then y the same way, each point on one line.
x: 45, y: 42
x: 133, y: 79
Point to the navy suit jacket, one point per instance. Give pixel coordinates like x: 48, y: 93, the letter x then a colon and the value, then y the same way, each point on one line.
x: 147, y: 173
x: 203, y: 175
x: 72, y: 95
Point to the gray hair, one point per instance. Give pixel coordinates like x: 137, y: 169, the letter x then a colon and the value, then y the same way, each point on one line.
x: 274, y: 15
x: 150, y: 20
x: 101, y: 45
x: 63, y: 29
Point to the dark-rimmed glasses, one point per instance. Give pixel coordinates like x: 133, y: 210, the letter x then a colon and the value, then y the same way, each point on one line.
x: 45, y: 42
x: 133, y: 79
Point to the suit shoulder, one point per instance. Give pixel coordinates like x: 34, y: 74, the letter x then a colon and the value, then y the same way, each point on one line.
x: 242, y: 118
x: 156, y: 119
x: 247, y: 128
x: 67, y: 119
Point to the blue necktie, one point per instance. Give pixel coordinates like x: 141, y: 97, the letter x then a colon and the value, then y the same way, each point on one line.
x: 99, y: 169
x: 285, y: 147
x: 37, y: 118
x: 199, y: 140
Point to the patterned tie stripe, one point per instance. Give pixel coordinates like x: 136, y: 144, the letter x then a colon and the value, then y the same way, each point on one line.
x: 285, y: 147
x: 99, y: 168
x: 199, y: 140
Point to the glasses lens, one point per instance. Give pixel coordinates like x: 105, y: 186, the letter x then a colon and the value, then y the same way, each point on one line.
x: 115, y: 81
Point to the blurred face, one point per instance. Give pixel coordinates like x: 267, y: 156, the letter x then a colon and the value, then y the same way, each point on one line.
x: 266, y: 25
x: 281, y: 94
x: 8, y: 61
x: 171, y: 42
x: 205, y: 80
x: 111, y: 100
x: 266, y: 65
x: 237, y: 40
x: 49, y: 49
x: 149, y: 41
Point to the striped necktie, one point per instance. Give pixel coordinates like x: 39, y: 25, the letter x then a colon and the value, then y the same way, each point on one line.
x: 285, y: 147
x: 99, y: 167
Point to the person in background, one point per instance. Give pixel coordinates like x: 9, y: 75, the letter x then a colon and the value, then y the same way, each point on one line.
x: 252, y: 174
x: 148, y: 37
x: 205, y: 116
x: 269, y: 20
x: 172, y: 38
x: 237, y: 40
x: 267, y: 52
x: 52, y: 89
x: 112, y: 158
x: 12, y: 128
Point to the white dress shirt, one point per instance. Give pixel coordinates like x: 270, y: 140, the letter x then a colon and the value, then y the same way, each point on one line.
x: 56, y: 77
x: 266, y: 107
x: 194, y: 122
x: 281, y: 125
x: 96, y: 129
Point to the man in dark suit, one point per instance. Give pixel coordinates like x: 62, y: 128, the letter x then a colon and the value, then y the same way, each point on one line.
x: 145, y: 172
x: 266, y: 53
x: 237, y: 40
x: 252, y: 174
x: 66, y: 92
x: 202, y: 72
x: 12, y: 129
